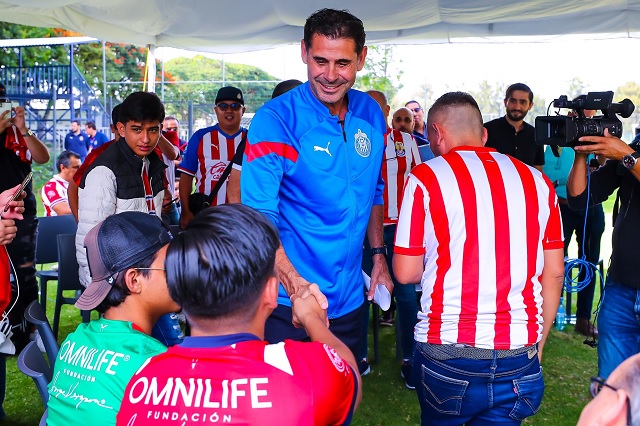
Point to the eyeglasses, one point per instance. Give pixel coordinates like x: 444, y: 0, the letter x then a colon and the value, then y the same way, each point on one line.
x: 417, y: 109
x: 401, y: 119
x: 597, y: 383
x: 234, y: 106
x: 175, y: 129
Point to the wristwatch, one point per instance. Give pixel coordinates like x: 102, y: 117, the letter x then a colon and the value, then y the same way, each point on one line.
x: 630, y: 160
x: 29, y: 133
x: 379, y: 250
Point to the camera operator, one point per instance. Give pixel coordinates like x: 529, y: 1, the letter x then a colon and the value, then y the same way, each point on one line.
x: 618, y: 319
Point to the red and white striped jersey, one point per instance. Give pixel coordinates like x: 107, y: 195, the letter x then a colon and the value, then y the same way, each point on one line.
x: 482, y: 221
x: 400, y: 156
x: 54, y: 192
x: 246, y: 382
x: 208, y: 153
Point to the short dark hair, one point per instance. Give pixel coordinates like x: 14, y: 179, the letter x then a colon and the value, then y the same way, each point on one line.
x: 91, y: 125
x: 172, y: 117
x: 412, y: 101
x: 218, y: 267
x: 333, y: 24
x: 119, y: 290
x: 453, y: 99
x: 142, y: 107
x: 284, y: 87
x: 518, y: 86
x: 64, y: 159
x: 115, y: 114
x: 76, y: 121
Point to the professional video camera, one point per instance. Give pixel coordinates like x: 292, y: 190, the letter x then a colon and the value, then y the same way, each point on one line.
x: 563, y: 130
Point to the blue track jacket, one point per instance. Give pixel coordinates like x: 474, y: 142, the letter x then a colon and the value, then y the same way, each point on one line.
x: 317, y: 183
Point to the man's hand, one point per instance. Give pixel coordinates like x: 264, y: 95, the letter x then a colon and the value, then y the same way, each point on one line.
x: 16, y: 207
x: 5, y: 121
x: 305, y: 309
x: 310, y: 291
x: 379, y: 275
x: 8, y: 230
x: 608, y: 146
x: 19, y: 121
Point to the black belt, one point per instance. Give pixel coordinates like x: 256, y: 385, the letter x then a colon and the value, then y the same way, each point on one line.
x: 445, y: 352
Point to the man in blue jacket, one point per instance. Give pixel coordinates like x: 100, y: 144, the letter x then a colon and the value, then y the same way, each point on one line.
x: 312, y: 165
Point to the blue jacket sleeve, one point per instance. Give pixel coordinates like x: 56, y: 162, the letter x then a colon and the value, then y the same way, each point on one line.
x: 189, y: 163
x: 267, y: 157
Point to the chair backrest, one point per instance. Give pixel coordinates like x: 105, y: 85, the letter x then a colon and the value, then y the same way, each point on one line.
x: 68, y: 278
x: 32, y: 363
x: 35, y: 315
x: 48, y: 228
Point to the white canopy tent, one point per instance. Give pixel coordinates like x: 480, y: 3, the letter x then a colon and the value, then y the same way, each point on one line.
x: 223, y: 27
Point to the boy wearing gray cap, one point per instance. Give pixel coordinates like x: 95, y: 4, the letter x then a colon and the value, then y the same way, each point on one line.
x: 126, y: 254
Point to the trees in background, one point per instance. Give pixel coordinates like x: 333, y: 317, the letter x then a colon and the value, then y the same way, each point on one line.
x: 381, y: 72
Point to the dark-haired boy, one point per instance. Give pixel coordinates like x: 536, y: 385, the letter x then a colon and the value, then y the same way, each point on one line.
x: 222, y: 270
x: 128, y: 286
x: 128, y: 175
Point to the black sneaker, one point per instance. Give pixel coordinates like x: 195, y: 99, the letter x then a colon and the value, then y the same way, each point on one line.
x: 405, y: 372
x: 363, y: 367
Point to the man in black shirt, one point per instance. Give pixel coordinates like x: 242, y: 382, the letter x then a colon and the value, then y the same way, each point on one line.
x: 19, y: 146
x: 510, y: 134
x: 618, y: 319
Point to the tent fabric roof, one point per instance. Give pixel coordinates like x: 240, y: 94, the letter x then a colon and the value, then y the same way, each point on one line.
x: 223, y: 27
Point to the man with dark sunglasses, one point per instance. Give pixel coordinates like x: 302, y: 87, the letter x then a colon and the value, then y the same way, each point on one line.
x: 615, y: 399
x: 419, y: 130
x: 209, y: 152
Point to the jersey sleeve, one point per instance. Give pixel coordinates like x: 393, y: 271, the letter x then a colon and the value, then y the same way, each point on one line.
x: 553, y: 234
x: 410, y: 231
x: 238, y: 156
x: 414, y: 152
x: 51, y: 195
x: 333, y: 382
x: 189, y: 163
x: 268, y: 155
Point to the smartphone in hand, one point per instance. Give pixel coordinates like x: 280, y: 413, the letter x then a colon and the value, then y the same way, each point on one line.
x: 16, y: 194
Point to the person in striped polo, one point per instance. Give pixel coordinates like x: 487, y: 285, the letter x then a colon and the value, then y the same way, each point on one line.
x: 210, y: 150
x: 482, y: 232
x: 400, y: 156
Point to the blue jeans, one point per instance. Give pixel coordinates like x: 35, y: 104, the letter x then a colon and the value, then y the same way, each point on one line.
x: 619, y: 326
x: 405, y: 295
x: 167, y: 330
x: 477, y: 392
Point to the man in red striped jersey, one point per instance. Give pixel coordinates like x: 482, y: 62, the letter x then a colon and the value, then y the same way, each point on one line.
x: 482, y: 232
x: 209, y: 152
x: 400, y: 156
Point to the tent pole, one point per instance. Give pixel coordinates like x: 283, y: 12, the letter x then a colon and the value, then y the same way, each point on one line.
x: 151, y: 68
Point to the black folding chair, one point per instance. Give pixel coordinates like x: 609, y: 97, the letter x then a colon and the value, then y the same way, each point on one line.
x: 68, y: 278
x: 47, y: 248
x: 32, y: 363
x: 35, y: 315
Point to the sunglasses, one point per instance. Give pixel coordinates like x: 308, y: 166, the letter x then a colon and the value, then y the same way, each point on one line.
x: 234, y: 106
x: 401, y: 119
x: 417, y: 109
x: 175, y: 129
